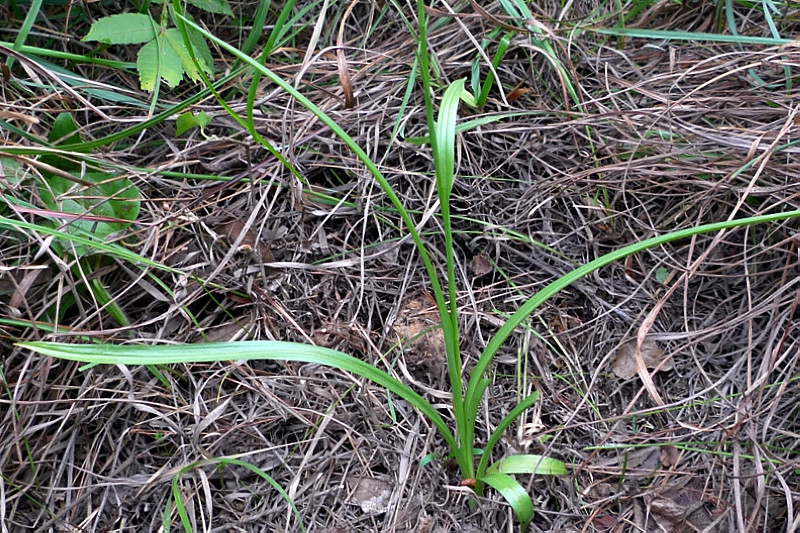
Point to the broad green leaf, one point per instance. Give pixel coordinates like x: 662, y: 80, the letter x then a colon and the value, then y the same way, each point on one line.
x: 201, y: 51
x: 213, y: 6
x: 175, y: 39
x: 189, y: 120
x: 514, y: 494
x: 105, y: 207
x: 64, y: 130
x: 148, y: 63
x: 529, y: 464
x: 128, y: 28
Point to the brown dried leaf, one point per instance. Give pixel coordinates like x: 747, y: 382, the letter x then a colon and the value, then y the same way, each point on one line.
x: 481, y: 265
x: 371, y: 494
x: 249, y: 243
x: 416, y: 328
x: 624, y: 364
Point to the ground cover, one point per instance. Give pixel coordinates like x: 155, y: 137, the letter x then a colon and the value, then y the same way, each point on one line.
x: 666, y: 380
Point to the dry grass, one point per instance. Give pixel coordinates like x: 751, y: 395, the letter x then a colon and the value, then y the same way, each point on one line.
x: 670, y: 135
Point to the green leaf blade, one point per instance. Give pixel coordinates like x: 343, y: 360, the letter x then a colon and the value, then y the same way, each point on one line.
x: 114, y: 354
x: 127, y: 28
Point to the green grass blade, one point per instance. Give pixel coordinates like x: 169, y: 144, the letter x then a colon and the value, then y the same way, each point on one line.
x: 25, y: 29
x: 689, y: 36
x: 514, y: 494
x: 113, y: 354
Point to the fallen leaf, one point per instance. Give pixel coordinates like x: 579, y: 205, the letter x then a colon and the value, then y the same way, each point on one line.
x: 669, y: 456
x: 624, y: 364
x: 371, y: 494
x: 481, y: 265
x: 423, y: 342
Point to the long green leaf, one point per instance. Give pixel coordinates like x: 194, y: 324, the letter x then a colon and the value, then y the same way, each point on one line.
x: 113, y: 354
x: 689, y: 36
x: 472, y: 398
x: 444, y: 161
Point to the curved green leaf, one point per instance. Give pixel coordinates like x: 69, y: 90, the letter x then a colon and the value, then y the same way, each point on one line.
x: 514, y: 494
x: 472, y: 398
x: 113, y: 354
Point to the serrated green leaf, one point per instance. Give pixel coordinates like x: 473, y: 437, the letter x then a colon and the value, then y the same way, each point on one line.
x: 529, y: 464
x: 514, y: 494
x: 64, y: 130
x: 189, y: 120
x: 175, y: 39
x: 213, y: 6
x: 128, y: 28
x: 201, y: 51
x: 148, y: 64
x: 109, y: 197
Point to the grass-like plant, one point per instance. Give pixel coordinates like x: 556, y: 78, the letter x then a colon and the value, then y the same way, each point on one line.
x: 468, y: 386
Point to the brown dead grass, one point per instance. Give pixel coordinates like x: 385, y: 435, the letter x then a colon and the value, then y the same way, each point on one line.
x: 658, y: 145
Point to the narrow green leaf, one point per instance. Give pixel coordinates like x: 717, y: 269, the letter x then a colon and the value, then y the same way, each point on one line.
x: 471, y: 399
x: 113, y: 354
x: 529, y: 464
x: 128, y: 28
x: 514, y: 494
x: 690, y: 36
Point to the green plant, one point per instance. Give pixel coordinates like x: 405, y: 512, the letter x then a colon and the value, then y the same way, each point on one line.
x: 466, y: 398
x: 165, y: 55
